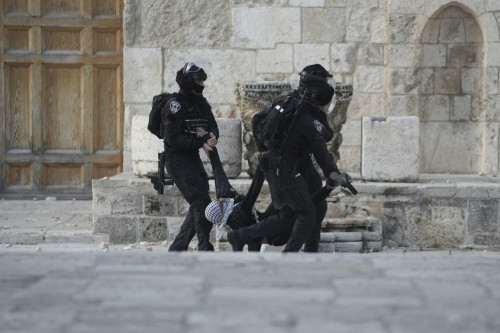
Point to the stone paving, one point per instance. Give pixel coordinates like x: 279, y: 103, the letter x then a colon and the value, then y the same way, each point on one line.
x: 82, y: 288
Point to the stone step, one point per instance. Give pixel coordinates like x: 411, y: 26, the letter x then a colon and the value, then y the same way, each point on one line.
x: 27, y: 236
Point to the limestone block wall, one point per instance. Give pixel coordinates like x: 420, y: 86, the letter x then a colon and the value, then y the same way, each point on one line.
x: 390, y: 149
x: 433, y: 59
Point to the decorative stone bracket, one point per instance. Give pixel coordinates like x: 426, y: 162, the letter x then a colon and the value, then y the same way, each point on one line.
x: 253, y: 97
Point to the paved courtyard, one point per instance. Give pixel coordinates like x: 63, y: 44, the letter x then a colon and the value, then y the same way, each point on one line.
x: 82, y: 288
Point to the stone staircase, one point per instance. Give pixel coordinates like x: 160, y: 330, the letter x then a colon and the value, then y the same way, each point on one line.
x: 128, y: 209
x: 359, y: 235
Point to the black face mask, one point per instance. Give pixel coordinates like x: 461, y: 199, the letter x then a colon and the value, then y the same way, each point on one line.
x: 325, y: 97
x: 198, y: 89
x: 318, y: 90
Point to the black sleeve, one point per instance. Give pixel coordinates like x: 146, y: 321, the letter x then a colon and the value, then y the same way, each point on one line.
x: 327, y: 130
x: 212, y: 124
x: 172, y: 116
x: 316, y: 136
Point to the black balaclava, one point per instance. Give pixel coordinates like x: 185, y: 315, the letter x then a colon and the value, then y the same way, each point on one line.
x: 185, y: 80
x: 316, y: 87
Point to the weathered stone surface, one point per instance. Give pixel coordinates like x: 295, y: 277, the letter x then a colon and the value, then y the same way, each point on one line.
x: 372, y: 236
x: 471, y: 80
x: 327, y: 237
x: 263, y: 28
x: 394, y: 223
x: 374, y: 246
x: 145, y: 148
x: 325, y: 25
x: 491, y: 80
x: 141, y: 74
x: 326, y: 247
x: 491, y: 149
x: 403, y: 105
x: 464, y: 55
x: 152, y: 229
x: 167, y: 24
x: 492, y: 240
x: 303, y: 53
x: 343, y: 57
x: 132, y: 110
x: 121, y: 229
x: 408, y: 6
x: 447, y: 81
x: 126, y: 203
x: 461, y: 108
x: 358, y: 109
x: 27, y: 237
x: 368, y: 79
x: 349, y: 158
x: 435, y: 108
x: 348, y: 236
x: 348, y: 246
x: 404, y: 55
x: 434, y: 55
x: 277, y: 60
x: 452, y: 31
x: 426, y: 76
x: 372, y: 54
x: 483, y: 216
x: 307, y: 3
x: 450, y: 147
x: 401, y: 27
x: 439, y: 227
x: 260, y: 3
x: 378, y: 28
x: 357, y: 30
x: 390, y: 149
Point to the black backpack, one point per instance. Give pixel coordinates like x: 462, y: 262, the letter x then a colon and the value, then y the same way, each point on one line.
x: 270, y: 126
x: 159, y: 101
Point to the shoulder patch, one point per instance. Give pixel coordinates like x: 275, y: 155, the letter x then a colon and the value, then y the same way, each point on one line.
x: 318, y: 125
x: 175, y: 107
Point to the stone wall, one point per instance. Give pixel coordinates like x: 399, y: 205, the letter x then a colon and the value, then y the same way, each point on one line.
x: 435, y: 213
x: 434, y: 59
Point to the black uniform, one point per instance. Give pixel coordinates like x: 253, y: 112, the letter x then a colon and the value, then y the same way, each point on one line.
x: 290, y: 189
x: 183, y: 163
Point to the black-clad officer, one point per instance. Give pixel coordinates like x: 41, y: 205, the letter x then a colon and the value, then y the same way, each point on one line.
x: 289, y: 170
x: 188, y: 124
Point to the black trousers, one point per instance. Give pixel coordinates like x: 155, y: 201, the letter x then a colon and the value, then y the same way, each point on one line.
x: 190, y: 177
x: 296, y: 211
x: 314, y: 183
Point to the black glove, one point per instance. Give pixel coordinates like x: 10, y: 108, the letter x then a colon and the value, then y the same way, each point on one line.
x: 340, y: 179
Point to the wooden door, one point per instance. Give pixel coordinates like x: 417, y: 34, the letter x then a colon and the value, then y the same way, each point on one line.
x: 61, y: 117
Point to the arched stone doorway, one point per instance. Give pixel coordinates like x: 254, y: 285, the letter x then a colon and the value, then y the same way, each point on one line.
x: 450, y: 107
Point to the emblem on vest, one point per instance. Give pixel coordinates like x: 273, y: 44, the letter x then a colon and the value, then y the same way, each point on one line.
x: 175, y: 107
x: 318, y: 125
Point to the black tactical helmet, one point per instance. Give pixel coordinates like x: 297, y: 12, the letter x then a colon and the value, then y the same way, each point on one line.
x: 193, y: 70
x: 315, y: 69
x: 313, y: 82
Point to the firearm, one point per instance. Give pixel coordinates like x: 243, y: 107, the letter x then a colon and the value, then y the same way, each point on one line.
x: 159, y: 181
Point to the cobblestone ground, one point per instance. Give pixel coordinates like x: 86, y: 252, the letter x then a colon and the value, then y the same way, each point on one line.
x: 81, y: 288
